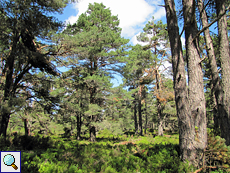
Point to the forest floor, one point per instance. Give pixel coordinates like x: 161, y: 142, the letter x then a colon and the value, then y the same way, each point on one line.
x: 109, y: 154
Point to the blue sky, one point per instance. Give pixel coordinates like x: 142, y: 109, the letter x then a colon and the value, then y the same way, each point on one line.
x: 133, y: 15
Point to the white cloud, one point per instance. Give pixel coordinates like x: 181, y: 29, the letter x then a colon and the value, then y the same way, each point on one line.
x: 133, y: 14
x: 159, y: 13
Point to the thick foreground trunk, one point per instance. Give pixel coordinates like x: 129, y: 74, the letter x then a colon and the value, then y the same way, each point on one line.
x: 225, y: 70
x: 186, y: 127
x: 196, y: 87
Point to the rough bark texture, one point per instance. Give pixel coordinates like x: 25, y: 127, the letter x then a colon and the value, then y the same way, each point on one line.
x: 216, y: 84
x: 225, y: 69
x: 195, y: 78
x: 186, y: 128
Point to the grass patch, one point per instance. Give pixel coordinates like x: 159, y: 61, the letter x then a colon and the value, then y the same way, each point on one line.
x: 108, y: 154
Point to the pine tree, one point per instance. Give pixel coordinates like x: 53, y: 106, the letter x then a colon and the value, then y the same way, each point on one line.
x: 23, y: 23
x: 96, y: 43
x: 224, y: 52
x: 133, y: 73
x: 156, y: 36
x: 186, y: 130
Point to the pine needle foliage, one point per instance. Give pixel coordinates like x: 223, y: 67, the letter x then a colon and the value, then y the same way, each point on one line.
x: 217, y: 154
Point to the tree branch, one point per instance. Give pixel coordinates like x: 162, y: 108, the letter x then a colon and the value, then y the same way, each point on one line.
x: 19, y: 77
x: 206, y: 27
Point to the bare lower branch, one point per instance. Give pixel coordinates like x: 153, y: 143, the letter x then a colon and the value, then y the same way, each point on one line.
x: 206, y: 27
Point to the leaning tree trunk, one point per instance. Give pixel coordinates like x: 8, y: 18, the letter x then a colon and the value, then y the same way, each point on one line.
x: 225, y: 69
x: 186, y: 127
x: 196, y: 87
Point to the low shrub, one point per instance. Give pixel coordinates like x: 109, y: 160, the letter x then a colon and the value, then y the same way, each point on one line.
x: 143, y: 154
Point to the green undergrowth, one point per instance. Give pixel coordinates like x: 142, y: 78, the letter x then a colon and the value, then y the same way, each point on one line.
x: 115, y: 154
x: 126, y: 153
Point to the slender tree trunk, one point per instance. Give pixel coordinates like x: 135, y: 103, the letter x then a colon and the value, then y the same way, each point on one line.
x: 27, y: 130
x: 216, y: 84
x: 140, y: 117
x: 159, y: 106
x: 216, y: 112
x: 135, y: 118
x: 72, y: 128
x: 186, y: 127
x: 92, y: 129
x: 146, y: 117
x: 225, y: 69
x: 79, y: 126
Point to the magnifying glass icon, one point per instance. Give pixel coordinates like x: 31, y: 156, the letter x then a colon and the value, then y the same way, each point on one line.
x: 9, y: 160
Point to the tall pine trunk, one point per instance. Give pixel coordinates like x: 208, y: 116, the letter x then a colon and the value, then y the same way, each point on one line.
x: 79, y: 126
x: 195, y: 78
x: 225, y: 69
x: 159, y: 106
x: 139, y: 109
x: 92, y: 91
x: 140, y: 117
x: 135, y: 118
x: 215, y: 79
x: 146, y: 117
x: 8, y: 93
x: 186, y: 127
